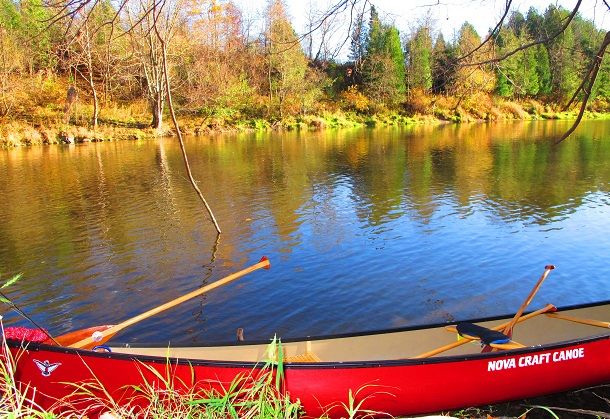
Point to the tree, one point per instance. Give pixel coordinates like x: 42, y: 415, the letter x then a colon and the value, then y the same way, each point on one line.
x: 216, y: 68
x: 11, y: 56
x: 358, y: 45
x: 419, y: 59
x: 319, y: 40
x: 444, y: 65
x: 516, y: 76
x: 564, y: 75
x: 543, y: 70
x: 470, y: 76
x: 285, y: 60
x: 88, y: 48
x: 383, y: 68
x: 38, y: 38
x: 148, y: 32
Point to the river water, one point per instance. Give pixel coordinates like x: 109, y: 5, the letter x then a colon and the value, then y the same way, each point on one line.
x: 365, y: 228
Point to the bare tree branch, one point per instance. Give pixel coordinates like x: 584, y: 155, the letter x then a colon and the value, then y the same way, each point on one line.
x: 531, y: 44
x: 591, y: 76
x: 162, y: 43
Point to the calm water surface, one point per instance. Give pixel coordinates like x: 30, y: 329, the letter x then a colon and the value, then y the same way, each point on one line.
x: 365, y: 229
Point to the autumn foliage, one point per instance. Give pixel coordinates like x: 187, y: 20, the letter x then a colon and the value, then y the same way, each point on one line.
x: 230, y: 69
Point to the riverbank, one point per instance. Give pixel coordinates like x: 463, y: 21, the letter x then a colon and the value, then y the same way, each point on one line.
x: 43, y: 125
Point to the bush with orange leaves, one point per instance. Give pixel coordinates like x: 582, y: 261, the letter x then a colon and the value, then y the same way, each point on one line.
x: 354, y: 99
x: 419, y: 102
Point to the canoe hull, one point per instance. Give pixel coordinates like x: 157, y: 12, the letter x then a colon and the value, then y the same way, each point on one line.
x: 398, y: 387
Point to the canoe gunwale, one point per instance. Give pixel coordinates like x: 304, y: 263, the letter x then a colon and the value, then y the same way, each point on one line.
x: 35, y: 347
x: 32, y: 346
x: 353, y: 334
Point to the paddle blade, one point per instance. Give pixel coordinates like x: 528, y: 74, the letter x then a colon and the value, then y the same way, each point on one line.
x: 265, y: 259
x: 78, y: 335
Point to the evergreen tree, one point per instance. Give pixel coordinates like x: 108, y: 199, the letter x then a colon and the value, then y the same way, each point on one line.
x: 419, y: 59
x: 602, y: 84
x: 444, y: 65
x: 528, y: 74
x: 507, y: 69
x: 393, y: 47
x: 517, y: 24
x: 358, y: 44
x: 533, y: 24
x: 543, y: 70
x: 504, y: 87
x: 374, y: 36
x: 383, y: 69
x: 563, y: 67
x: 38, y: 39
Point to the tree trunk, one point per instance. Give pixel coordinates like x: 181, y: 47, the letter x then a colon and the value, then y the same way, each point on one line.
x: 156, y: 107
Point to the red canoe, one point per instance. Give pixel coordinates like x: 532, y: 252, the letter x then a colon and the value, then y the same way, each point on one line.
x: 397, y: 372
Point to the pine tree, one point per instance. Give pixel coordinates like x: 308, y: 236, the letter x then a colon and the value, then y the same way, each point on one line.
x: 562, y: 64
x: 543, y: 70
x: 419, y: 59
x: 358, y: 43
x: 444, y: 65
x: 383, y: 70
x: 534, y: 24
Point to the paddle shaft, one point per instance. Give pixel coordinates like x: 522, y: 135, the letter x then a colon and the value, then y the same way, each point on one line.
x: 508, y: 330
x: 547, y: 308
x: 597, y: 323
x: 264, y: 263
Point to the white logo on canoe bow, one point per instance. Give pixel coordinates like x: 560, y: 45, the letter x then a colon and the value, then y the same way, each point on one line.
x: 46, y: 367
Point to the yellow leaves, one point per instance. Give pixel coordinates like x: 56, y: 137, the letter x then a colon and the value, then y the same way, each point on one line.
x: 355, y: 99
x: 215, y: 24
x: 202, y: 7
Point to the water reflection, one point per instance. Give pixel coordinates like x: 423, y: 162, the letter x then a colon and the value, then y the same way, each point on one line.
x: 364, y: 228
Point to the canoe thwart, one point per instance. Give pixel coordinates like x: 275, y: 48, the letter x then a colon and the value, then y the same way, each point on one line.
x: 597, y: 323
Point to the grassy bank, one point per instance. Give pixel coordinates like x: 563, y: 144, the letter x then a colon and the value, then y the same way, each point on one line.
x: 41, y: 121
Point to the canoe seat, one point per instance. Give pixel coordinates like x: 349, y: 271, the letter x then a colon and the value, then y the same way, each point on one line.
x: 308, y: 356
x: 489, y: 337
x: 485, y: 335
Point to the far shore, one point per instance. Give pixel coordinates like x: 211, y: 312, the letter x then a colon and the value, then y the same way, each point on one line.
x: 30, y: 133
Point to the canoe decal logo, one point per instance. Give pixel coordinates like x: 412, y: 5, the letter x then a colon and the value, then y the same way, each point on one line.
x: 46, y: 367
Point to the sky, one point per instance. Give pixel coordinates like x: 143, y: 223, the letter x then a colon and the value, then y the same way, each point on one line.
x: 449, y: 14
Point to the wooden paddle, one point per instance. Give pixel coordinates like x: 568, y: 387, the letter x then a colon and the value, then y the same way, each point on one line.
x: 545, y: 309
x: 71, y: 337
x: 99, y: 337
x: 596, y: 323
x: 508, y: 330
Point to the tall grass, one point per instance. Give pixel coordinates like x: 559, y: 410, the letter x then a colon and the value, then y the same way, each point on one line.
x: 255, y: 395
x: 16, y: 401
